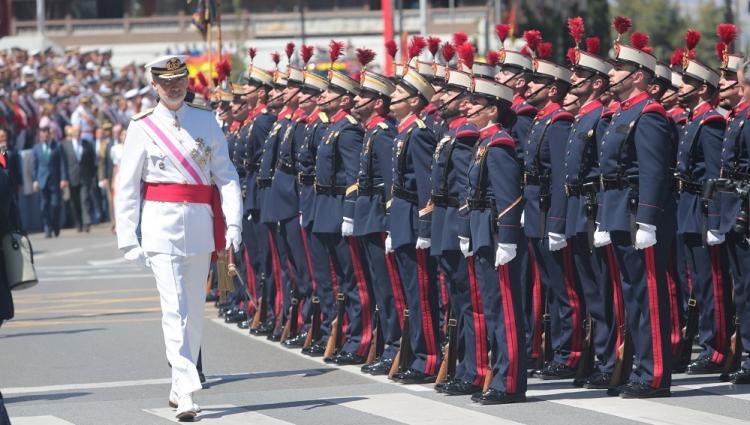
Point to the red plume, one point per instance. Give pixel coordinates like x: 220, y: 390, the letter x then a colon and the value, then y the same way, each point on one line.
x: 460, y: 38
x: 466, y: 54
x: 727, y: 33
x: 525, y: 51
x: 571, y: 55
x: 416, y: 45
x: 357, y: 76
x: 391, y: 48
x: 289, y: 50
x: 692, y: 38
x: 251, y: 52
x: 648, y: 49
x: 544, y: 50
x: 365, y: 56
x: 592, y: 45
x: 502, y: 31
x: 448, y: 51
x: 676, y: 59
x: 433, y: 45
x: 191, y: 83
x: 493, y: 57
x: 335, y: 50
x: 576, y: 29
x: 223, y: 69
x: 276, y: 58
x: 622, y: 24
x: 720, y: 49
x: 202, y: 79
x: 306, y: 52
x: 639, y: 40
x: 533, y: 38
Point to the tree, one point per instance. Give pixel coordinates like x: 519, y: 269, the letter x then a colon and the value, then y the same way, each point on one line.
x: 660, y: 19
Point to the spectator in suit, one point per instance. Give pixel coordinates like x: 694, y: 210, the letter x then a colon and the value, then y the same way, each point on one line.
x: 10, y: 161
x: 100, y: 192
x: 79, y: 158
x: 9, y: 220
x: 50, y: 176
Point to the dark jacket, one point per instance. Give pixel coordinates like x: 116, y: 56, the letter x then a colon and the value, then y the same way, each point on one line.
x: 80, y: 172
x: 9, y: 220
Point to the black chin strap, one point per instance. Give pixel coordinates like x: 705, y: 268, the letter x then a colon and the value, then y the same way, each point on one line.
x: 663, y: 99
x: 534, y: 93
x: 686, y: 94
x: 729, y: 87
x: 445, y: 104
x: 622, y: 81
x: 396, y: 102
x: 473, y: 114
x: 582, y: 82
x: 332, y: 100
x: 357, y: 108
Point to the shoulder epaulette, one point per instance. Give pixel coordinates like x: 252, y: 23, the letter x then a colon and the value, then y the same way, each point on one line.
x: 467, y: 133
x: 351, y: 119
x: 142, y: 114
x: 196, y: 106
x: 655, y: 108
x: 526, y: 110
x: 323, y: 117
x: 383, y: 125
x: 715, y: 117
x: 563, y: 116
x: 503, y: 141
x: 607, y: 113
x: 420, y: 123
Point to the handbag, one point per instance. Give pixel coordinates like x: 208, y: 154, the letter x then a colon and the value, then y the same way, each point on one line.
x: 19, y: 261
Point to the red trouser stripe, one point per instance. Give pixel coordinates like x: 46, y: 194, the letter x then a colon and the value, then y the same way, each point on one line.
x: 511, y: 331
x: 653, y: 304
x: 276, y: 265
x: 398, y: 292
x: 364, y: 296
x: 719, y: 308
x: 575, y: 306
x: 619, y: 305
x: 424, y: 289
x: 536, y: 295
x: 674, y: 316
x: 480, y: 329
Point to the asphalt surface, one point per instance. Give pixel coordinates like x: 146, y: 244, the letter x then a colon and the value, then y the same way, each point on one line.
x: 86, y: 348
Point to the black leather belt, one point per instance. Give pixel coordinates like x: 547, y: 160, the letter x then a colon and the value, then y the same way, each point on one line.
x: 534, y: 179
x: 264, y: 183
x: 329, y: 190
x: 585, y: 189
x: 616, y: 183
x: 286, y: 167
x: 406, y: 195
x: 251, y: 166
x: 444, y: 201
x: 306, y: 179
x: 682, y: 185
x: 370, y: 190
x: 479, y: 204
x: 734, y: 175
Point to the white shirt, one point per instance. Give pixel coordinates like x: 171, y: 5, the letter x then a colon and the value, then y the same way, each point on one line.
x: 169, y: 227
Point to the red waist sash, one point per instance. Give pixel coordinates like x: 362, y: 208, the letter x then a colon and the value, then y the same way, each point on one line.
x: 194, y: 194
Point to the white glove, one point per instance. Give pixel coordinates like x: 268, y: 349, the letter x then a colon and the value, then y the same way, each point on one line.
x: 136, y: 254
x: 465, y: 244
x: 713, y: 237
x: 388, y: 244
x: 249, y: 216
x: 233, y: 237
x: 423, y: 243
x: 556, y: 241
x: 601, y: 238
x: 521, y: 218
x: 347, y: 226
x: 301, y: 220
x: 645, y: 236
x: 504, y: 253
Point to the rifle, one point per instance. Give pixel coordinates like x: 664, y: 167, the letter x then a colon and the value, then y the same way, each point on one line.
x: 624, y: 361
x: 403, y: 359
x: 685, y: 349
x: 586, y: 363
x: 733, y: 361
x: 290, y: 327
x: 547, y: 354
x: 447, y: 370
x: 314, y: 334
x: 261, y: 308
x: 377, y: 343
x: 222, y: 263
x: 335, y: 340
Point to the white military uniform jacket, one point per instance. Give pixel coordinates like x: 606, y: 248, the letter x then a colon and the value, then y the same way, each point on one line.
x: 198, y: 142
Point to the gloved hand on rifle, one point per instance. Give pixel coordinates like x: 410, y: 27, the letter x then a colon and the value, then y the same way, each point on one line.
x: 388, y: 244
x: 347, y: 226
x: 465, y: 244
x: 645, y: 236
x: 423, y: 243
x: 713, y: 237
x: 556, y: 241
x: 601, y: 238
x: 504, y: 253
x: 233, y: 238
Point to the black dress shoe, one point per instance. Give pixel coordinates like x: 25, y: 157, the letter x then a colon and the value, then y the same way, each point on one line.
x: 275, y: 337
x: 641, y: 390
x: 237, y: 317
x: 740, y: 377
x: 212, y: 297
x: 344, y: 358
x: 330, y: 359
x: 556, y: 370
x: 378, y: 367
x: 413, y: 376
x: 598, y: 381
x: 703, y: 366
x: 493, y: 396
x: 679, y: 368
x: 316, y: 350
x: 296, y: 342
x: 202, y: 377
x: 263, y: 329
x: 458, y: 387
x: 476, y: 396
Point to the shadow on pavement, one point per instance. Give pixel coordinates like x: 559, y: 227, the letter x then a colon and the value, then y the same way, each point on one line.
x: 69, y: 332
x: 214, y: 413
x: 216, y: 380
x: 45, y: 397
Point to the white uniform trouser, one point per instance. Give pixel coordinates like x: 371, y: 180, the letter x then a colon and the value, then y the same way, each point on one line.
x: 181, y: 281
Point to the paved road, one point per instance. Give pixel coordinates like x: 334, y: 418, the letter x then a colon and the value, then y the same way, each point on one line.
x: 86, y: 349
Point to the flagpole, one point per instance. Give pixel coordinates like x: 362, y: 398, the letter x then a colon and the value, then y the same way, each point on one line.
x: 218, y: 25
x: 208, y: 43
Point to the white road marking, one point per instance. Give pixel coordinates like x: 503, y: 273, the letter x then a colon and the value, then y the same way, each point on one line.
x: 226, y: 414
x: 414, y: 410
x: 354, y: 370
x: 107, y: 262
x: 96, y: 277
x: 646, y: 411
x: 719, y: 388
x: 39, y: 420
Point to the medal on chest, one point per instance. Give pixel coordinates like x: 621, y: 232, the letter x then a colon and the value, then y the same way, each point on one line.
x: 201, y: 153
x: 441, y: 144
x: 480, y: 154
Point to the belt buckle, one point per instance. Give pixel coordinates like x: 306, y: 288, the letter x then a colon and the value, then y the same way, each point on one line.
x: 567, y: 190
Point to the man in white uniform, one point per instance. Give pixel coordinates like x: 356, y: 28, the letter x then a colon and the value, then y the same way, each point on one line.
x: 176, y: 170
